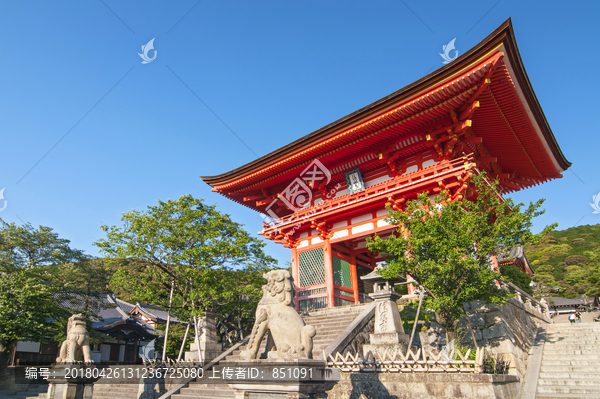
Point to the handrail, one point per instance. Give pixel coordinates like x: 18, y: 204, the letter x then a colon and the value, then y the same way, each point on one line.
x: 176, y: 389
x: 541, y: 307
x: 346, y: 336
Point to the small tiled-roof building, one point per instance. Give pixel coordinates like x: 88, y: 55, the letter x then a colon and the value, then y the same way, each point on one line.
x: 515, y: 256
x: 151, y: 315
x: 131, y: 332
x: 567, y: 305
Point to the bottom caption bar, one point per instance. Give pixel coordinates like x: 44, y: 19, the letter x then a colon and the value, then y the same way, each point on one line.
x: 172, y: 374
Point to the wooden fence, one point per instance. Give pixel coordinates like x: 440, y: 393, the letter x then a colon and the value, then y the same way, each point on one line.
x: 394, y: 361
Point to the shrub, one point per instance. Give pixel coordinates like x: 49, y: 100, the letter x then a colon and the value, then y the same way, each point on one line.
x: 557, y: 250
x: 545, y: 269
x: 577, y: 260
x: 548, y: 240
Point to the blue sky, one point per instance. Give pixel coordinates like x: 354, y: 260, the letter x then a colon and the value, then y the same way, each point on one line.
x: 130, y: 134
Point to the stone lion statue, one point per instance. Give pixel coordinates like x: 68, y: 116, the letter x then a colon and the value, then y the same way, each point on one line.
x: 77, y: 344
x: 292, y: 339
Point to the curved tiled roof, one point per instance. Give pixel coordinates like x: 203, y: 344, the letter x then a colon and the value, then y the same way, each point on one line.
x: 516, y: 252
x: 510, y: 120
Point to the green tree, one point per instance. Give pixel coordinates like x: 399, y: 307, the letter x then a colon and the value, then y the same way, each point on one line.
x: 27, y: 303
x: 513, y: 274
x: 185, y: 244
x: 445, y: 246
x: 546, y: 286
x: 83, y: 283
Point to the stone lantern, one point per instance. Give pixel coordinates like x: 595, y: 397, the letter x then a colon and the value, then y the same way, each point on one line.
x: 389, y: 333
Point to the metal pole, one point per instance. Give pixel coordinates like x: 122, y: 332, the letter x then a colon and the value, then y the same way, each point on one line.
x: 183, y: 343
x: 412, y: 336
x: 164, y: 354
x: 197, y: 327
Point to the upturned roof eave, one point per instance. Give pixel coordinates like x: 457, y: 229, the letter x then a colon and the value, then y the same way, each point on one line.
x: 503, y: 34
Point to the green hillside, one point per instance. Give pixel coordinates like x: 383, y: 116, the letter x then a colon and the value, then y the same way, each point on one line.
x: 568, y: 259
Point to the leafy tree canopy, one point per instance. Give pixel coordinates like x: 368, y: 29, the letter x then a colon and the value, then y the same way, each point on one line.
x: 24, y: 247
x: 27, y: 304
x: 187, y: 244
x: 445, y: 246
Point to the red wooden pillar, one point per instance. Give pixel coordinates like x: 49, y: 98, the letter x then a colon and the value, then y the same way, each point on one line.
x: 296, y: 276
x: 411, y: 287
x: 496, y: 268
x: 354, y: 277
x: 329, y: 274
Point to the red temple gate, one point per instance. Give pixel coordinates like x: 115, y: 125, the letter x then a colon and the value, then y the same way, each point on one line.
x: 328, y: 191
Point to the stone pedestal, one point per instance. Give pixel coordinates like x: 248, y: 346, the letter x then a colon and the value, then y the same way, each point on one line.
x: 61, y: 387
x: 389, y: 332
x: 272, y: 386
x: 208, y: 342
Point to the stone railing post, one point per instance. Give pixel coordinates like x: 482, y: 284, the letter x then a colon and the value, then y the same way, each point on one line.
x: 519, y: 297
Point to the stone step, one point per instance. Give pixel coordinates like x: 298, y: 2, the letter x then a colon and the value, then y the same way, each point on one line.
x: 325, y: 319
x: 564, y: 326
x: 113, y: 391
x: 576, y: 381
x: 570, y: 348
x: 564, y: 395
x: 321, y: 322
x: 574, y: 366
x: 569, y: 362
x: 115, y: 395
x: 321, y: 327
x: 569, y: 355
x: 568, y: 389
x: 563, y: 361
x: 578, y: 352
x: 325, y: 315
x: 561, y: 337
x: 571, y: 331
x: 205, y: 395
x: 590, y: 336
x: 34, y: 391
x: 561, y: 374
x: 220, y: 390
x: 574, y: 342
x: 328, y: 338
x: 107, y: 388
x: 337, y: 323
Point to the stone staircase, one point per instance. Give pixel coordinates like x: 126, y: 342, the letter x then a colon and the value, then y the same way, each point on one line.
x: 329, y: 324
x: 570, y: 362
x: 34, y: 391
x: 116, y: 390
x: 124, y: 388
